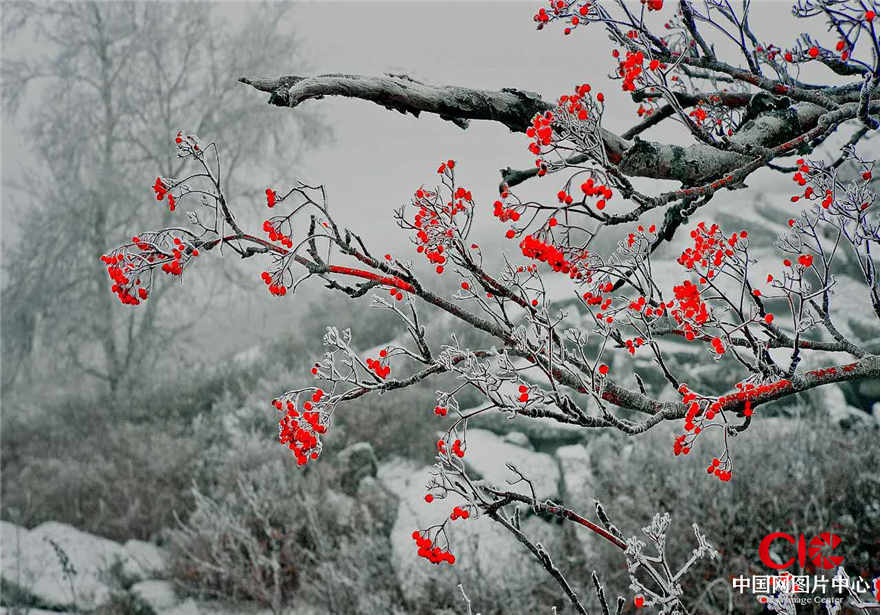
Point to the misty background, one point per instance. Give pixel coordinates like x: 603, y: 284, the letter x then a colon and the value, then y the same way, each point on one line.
x: 146, y: 434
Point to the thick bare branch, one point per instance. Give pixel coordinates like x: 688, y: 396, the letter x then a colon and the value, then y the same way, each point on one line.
x: 515, y: 108
x: 511, y: 107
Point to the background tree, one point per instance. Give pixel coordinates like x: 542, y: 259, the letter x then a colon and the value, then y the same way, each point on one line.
x: 120, y: 78
x: 760, y: 321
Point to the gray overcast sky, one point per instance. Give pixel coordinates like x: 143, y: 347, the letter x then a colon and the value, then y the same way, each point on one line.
x: 378, y: 158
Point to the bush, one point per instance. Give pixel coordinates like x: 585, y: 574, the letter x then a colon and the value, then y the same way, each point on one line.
x: 267, y: 531
x: 791, y: 476
x: 125, y: 482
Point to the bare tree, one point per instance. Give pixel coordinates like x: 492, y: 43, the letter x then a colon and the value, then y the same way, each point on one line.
x: 737, y: 115
x: 116, y: 79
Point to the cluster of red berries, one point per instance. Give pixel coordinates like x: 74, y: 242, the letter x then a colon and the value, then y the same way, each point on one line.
x: 541, y: 131
x: 279, y: 290
x: 637, y: 305
x: 547, y: 253
x: 186, y: 145
x: 300, y: 430
x: 271, y: 195
x: 746, y: 394
x: 631, y: 68
x: 566, y: 8
x: 632, y: 345
x: 680, y: 446
x: 645, y: 111
x: 430, y: 552
x: 121, y: 286
x: 810, y: 194
x: 504, y: 214
x: 709, y: 244
x: 715, y: 468
x: 699, y: 114
x: 395, y: 292
x: 694, y: 410
x: 579, y: 104
x: 379, y: 366
x: 804, y: 260
x: 541, y: 16
x: 459, y: 513
x: 690, y: 304
x: 640, y: 306
x: 632, y: 237
x: 575, y: 21
x: 718, y: 345
x: 162, y: 189
x: 456, y: 448
x: 446, y: 166
x: 576, y: 106
x: 603, y: 302
x: 174, y: 267
x: 710, y: 252
x: 275, y: 234
x: 440, y: 410
x: 590, y: 188
x: 119, y: 266
x: 432, y: 232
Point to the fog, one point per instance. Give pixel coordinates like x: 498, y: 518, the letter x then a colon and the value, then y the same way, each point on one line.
x: 154, y: 423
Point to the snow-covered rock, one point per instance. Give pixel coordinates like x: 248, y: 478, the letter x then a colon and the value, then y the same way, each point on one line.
x: 576, y: 472
x: 380, y: 502
x: 543, y: 434
x: 158, y: 594
x: 32, y: 562
x: 189, y: 607
x: 355, y: 462
x: 488, y: 453
x: 517, y: 438
x: 833, y: 401
x: 146, y: 560
x: 10, y: 534
x: 478, y: 543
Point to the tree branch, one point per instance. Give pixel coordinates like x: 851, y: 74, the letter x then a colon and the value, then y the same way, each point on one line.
x: 691, y: 165
x: 511, y: 107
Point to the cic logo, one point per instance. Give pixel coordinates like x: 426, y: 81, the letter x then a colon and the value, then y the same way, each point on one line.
x: 816, y: 551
